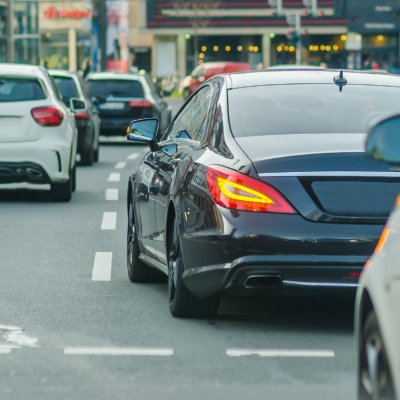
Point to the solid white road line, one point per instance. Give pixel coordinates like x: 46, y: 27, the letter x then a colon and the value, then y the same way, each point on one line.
x: 279, y: 353
x: 120, y: 165
x: 109, y: 220
x: 133, y: 156
x: 119, y: 351
x: 115, y: 177
x: 112, y: 194
x: 102, y: 267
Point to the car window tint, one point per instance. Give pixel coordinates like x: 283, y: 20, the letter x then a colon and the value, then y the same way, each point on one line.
x: 301, y: 108
x: 67, y: 86
x: 55, y: 89
x: 118, y: 88
x: 199, y: 113
x: 20, y: 89
x: 179, y: 122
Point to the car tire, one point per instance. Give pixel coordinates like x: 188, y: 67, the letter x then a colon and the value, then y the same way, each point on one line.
x: 183, y: 303
x: 73, y: 177
x: 96, y: 154
x: 62, y: 191
x: 87, y: 157
x: 186, y: 93
x: 374, y: 380
x: 138, y: 271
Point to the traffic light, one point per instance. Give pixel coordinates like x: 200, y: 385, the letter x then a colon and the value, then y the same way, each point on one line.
x: 305, y: 39
x: 292, y: 38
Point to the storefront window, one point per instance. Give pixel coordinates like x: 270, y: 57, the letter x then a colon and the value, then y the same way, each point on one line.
x: 26, y: 51
x: 3, y: 20
x: 26, y: 17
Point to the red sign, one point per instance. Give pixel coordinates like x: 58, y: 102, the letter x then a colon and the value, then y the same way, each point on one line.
x: 52, y: 13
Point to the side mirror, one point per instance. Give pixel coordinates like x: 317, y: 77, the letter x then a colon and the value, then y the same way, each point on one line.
x: 77, y: 105
x: 383, y: 141
x: 144, y: 130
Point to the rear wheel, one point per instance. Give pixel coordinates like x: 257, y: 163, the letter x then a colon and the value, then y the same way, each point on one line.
x: 62, y: 191
x: 138, y: 271
x: 183, y: 303
x: 375, y: 382
x: 96, y: 154
x: 87, y: 158
x: 73, y: 177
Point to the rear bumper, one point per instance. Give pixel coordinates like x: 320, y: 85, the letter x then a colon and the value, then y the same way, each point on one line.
x: 293, y: 271
x: 110, y: 126
x: 23, y: 172
x: 50, y: 155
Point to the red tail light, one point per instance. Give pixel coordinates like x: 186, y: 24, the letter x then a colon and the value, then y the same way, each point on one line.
x: 81, y: 115
x: 140, y: 103
x: 47, y: 116
x: 352, y: 275
x: 234, y: 190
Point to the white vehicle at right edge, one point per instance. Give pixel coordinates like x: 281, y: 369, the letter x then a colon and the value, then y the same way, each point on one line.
x: 377, y: 314
x: 38, y: 136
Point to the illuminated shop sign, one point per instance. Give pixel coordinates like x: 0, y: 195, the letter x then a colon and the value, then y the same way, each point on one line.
x: 52, y: 13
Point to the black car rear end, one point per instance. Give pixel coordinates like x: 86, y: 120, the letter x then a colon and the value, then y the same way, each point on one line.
x: 126, y: 101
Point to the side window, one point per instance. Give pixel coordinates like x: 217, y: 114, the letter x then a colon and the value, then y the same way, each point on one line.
x: 55, y: 88
x: 84, y: 87
x: 195, y: 127
x: 179, y: 122
x: 153, y: 90
x: 199, y: 73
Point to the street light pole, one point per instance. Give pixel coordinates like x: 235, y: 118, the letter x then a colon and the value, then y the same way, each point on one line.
x: 10, y: 31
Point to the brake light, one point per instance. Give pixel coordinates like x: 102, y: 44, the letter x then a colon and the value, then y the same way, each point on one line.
x: 140, y: 103
x: 234, y: 190
x: 352, y: 275
x: 47, y: 116
x: 81, y: 115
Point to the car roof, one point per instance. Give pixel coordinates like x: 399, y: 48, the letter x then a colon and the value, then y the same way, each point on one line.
x: 62, y: 72
x: 294, y: 66
x: 309, y: 76
x: 113, y: 75
x: 21, y: 69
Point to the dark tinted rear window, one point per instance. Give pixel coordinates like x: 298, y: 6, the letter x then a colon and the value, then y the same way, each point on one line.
x: 318, y: 108
x: 67, y: 86
x: 20, y: 89
x: 115, y: 88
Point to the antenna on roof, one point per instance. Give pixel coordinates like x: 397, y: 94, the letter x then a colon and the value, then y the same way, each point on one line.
x: 340, y: 81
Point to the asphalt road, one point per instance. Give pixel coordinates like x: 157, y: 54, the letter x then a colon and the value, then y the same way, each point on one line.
x: 53, y: 314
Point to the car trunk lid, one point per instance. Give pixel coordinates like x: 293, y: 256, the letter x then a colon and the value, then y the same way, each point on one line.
x: 326, y: 176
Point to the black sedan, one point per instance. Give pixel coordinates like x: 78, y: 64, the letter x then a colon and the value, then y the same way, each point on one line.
x: 72, y: 85
x: 261, y: 183
x: 128, y: 96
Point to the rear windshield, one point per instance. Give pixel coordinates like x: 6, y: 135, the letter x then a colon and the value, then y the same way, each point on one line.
x: 115, y: 88
x: 20, y: 89
x: 318, y: 108
x: 67, y: 86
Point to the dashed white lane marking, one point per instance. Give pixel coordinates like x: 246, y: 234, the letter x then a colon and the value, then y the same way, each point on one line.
x: 109, y: 220
x: 133, y: 156
x: 119, y: 351
x: 5, y: 350
x: 120, y: 165
x: 102, y: 267
x: 114, y: 177
x: 279, y: 353
x: 112, y: 194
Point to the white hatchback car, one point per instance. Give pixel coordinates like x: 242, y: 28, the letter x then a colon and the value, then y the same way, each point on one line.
x: 38, y: 136
x: 377, y: 314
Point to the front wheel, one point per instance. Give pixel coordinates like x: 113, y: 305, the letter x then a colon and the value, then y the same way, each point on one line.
x: 375, y: 382
x: 138, y: 271
x: 182, y: 302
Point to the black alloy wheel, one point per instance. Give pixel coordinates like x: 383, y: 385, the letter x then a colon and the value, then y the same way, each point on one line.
x: 183, y: 303
x: 374, y: 379
x: 73, y: 177
x: 138, y: 271
x: 96, y: 154
x: 87, y: 157
x: 62, y: 191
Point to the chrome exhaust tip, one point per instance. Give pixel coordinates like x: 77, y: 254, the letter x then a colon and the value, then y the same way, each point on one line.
x: 33, y: 172
x: 262, y: 281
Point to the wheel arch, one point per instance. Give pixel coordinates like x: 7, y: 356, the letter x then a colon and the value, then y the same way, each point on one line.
x: 170, y: 219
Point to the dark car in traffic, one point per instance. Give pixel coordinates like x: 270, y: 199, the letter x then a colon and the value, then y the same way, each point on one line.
x: 129, y: 96
x: 261, y: 183
x: 72, y: 85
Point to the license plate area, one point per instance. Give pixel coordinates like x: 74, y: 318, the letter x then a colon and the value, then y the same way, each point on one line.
x: 112, y: 106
